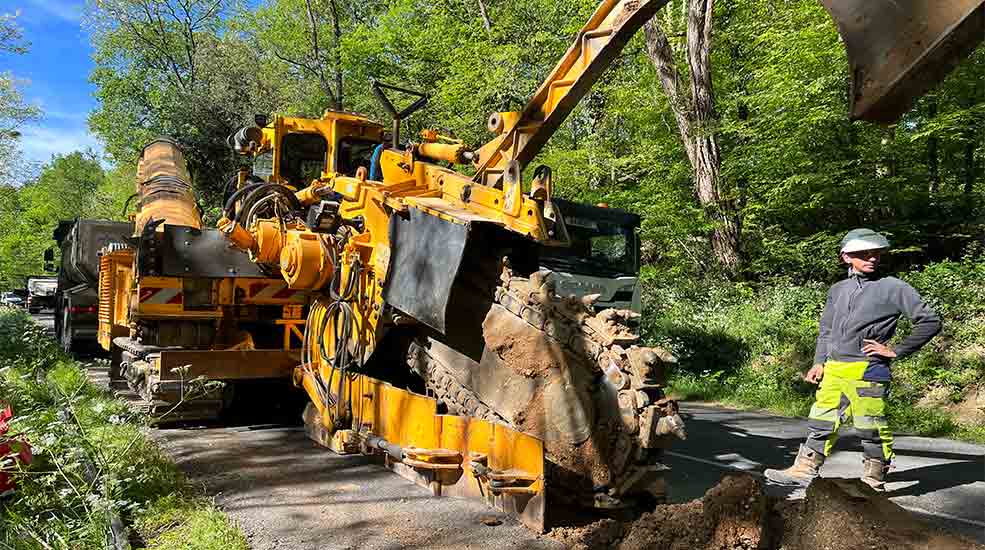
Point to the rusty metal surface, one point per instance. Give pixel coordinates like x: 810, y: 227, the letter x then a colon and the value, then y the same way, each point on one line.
x: 229, y: 365
x: 899, y: 49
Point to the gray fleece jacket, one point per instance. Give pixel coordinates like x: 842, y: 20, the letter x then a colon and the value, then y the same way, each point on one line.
x: 868, y: 307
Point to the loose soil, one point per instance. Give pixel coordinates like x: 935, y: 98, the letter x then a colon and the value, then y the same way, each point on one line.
x: 528, y: 352
x: 838, y: 514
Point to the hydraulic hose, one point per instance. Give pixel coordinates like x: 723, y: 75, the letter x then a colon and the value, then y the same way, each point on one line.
x: 229, y: 209
x: 262, y: 191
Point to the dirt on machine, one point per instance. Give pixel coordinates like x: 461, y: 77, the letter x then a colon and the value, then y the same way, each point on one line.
x: 430, y: 332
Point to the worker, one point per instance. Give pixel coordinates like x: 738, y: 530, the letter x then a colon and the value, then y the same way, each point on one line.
x: 852, y: 361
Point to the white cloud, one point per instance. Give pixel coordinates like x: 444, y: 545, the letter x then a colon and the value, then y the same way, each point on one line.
x: 68, y: 10
x: 40, y: 143
x: 68, y: 117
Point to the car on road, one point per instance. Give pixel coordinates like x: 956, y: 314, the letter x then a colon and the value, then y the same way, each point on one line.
x: 11, y: 299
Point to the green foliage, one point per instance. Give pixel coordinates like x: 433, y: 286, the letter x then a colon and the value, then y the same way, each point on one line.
x: 91, y: 454
x: 173, y: 68
x: 803, y: 173
x: 14, y: 112
x: 179, y: 523
x: 69, y: 186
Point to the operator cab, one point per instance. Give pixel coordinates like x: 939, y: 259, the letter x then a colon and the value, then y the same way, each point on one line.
x: 295, y: 151
x: 603, y: 258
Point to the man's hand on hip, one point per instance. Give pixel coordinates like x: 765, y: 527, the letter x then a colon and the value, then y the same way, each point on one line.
x: 815, y: 375
x: 871, y: 347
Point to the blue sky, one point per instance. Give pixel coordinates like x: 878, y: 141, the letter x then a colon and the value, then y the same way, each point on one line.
x: 56, y: 72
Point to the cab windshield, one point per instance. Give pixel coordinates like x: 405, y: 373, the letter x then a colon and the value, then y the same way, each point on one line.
x: 302, y: 158
x: 604, y: 242
x: 353, y: 153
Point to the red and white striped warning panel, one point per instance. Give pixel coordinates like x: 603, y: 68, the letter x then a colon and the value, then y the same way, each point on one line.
x: 273, y: 290
x: 160, y: 296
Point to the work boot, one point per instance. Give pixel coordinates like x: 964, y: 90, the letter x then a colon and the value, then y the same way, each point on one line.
x: 875, y: 471
x: 805, y: 468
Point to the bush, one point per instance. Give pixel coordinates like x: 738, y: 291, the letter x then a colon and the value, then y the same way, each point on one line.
x: 749, y: 345
x: 91, y: 455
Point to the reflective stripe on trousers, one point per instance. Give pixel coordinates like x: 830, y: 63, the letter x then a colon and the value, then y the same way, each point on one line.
x: 844, y: 397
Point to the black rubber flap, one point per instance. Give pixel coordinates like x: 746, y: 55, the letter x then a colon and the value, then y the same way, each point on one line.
x: 425, y: 255
x: 190, y: 252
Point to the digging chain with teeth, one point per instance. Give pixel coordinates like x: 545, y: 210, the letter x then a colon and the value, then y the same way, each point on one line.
x: 604, y: 339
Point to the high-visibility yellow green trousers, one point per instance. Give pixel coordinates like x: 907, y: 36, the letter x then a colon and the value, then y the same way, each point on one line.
x: 844, y: 397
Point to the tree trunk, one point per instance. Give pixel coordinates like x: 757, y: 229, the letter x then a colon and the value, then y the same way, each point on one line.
x: 316, y: 64
x: 337, y: 29
x: 697, y: 122
x: 970, y: 168
x: 887, y: 167
x: 485, y: 16
x: 933, y: 162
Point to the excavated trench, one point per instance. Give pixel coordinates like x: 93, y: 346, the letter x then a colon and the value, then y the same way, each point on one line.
x: 837, y: 514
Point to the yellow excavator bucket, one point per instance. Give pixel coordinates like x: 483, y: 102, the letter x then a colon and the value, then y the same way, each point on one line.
x: 899, y: 49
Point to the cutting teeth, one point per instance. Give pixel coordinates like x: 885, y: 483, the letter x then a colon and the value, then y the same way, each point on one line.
x: 601, y: 356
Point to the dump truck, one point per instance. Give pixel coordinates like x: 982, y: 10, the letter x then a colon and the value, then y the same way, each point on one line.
x: 76, y: 297
x: 40, y: 293
x: 188, y: 320
x: 435, y: 338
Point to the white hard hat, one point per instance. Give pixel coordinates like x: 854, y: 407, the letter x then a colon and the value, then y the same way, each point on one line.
x: 863, y: 239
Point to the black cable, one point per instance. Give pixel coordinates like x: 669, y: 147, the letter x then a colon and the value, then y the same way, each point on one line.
x: 126, y: 205
x: 227, y: 210
x: 262, y: 191
x: 229, y: 182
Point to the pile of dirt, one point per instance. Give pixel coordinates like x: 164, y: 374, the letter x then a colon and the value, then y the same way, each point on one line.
x: 604, y: 533
x: 845, y: 514
x: 731, y: 515
x: 837, y: 514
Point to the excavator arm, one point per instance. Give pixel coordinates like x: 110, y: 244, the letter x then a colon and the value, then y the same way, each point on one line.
x: 897, y: 50
x: 521, y: 135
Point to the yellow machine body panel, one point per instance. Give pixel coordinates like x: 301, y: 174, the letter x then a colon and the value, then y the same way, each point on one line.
x: 115, y: 286
x: 450, y: 455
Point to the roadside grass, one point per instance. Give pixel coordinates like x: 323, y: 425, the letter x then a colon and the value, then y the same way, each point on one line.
x: 748, y: 346
x: 91, y: 455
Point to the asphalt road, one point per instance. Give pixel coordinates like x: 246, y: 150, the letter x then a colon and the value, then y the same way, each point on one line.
x: 288, y: 493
